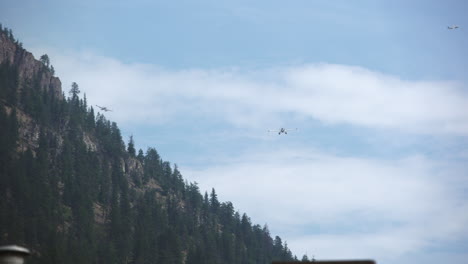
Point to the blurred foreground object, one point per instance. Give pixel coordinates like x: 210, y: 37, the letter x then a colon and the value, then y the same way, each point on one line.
x: 360, y: 261
x: 13, y: 254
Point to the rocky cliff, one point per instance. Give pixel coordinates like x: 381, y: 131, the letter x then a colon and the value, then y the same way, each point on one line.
x: 29, y: 69
x: 73, y: 192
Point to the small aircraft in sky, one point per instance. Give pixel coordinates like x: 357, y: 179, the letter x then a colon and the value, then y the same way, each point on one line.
x: 282, y: 130
x: 453, y: 27
x: 103, y: 108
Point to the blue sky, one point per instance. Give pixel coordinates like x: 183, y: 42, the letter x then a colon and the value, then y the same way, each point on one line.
x: 377, y: 89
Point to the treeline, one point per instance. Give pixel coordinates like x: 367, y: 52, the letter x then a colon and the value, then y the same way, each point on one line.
x: 9, y: 34
x: 81, y: 195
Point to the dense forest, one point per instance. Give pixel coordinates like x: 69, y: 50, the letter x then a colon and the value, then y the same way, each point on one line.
x: 73, y: 191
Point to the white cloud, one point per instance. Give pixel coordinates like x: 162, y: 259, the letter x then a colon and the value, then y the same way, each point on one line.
x: 344, y: 207
x: 328, y: 205
x: 333, y: 94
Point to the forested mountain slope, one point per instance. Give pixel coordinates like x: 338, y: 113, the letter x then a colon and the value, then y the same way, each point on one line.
x: 72, y: 191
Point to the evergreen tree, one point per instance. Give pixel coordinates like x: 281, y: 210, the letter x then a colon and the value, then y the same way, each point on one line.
x: 140, y: 155
x: 8, y: 83
x: 214, y: 203
x: 131, y: 147
x: 45, y: 60
x: 74, y: 91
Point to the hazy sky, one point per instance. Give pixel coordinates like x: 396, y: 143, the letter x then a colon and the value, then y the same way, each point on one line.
x: 377, y: 89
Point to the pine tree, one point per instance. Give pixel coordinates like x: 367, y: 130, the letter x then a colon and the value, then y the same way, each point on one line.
x: 214, y: 203
x: 45, y: 60
x: 140, y: 155
x: 74, y: 91
x: 131, y: 147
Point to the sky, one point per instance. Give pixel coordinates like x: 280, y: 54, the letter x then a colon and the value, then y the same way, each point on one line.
x: 377, y: 90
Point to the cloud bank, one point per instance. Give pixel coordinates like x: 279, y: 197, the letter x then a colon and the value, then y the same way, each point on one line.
x: 330, y: 93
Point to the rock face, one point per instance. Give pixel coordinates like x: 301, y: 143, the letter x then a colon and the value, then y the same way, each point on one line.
x: 32, y: 74
x: 28, y: 132
x: 29, y: 68
x: 73, y: 193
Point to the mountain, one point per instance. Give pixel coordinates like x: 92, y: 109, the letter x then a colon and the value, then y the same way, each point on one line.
x: 72, y: 191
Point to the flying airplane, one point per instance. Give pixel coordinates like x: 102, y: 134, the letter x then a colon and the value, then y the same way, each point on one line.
x: 103, y: 108
x: 453, y: 27
x: 281, y: 131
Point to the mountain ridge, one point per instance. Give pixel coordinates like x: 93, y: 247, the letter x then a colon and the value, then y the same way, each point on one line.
x: 74, y: 192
